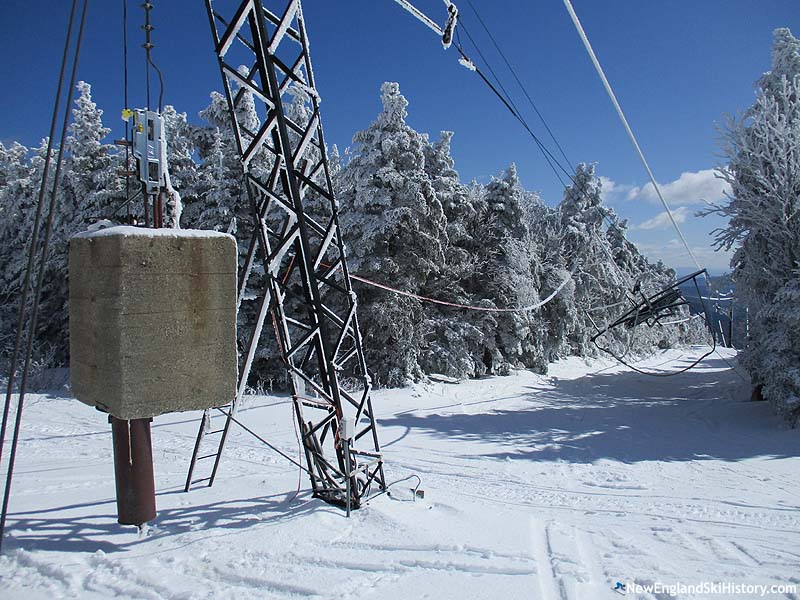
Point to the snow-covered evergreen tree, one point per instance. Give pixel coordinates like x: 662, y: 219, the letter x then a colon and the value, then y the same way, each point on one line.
x: 90, y: 180
x: 763, y: 148
x: 556, y: 319
x: 775, y: 350
x: 180, y: 152
x: 218, y: 194
x: 18, y: 192
x: 90, y: 191
x: 598, y: 280
x: 455, y: 340
x: 88, y: 186
x: 394, y: 224
x: 408, y: 222
x: 216, y: 189
x: 510, y: 274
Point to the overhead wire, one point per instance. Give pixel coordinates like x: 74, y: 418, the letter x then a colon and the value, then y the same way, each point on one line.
x: 34, y: 241
x: 603, y: 214
x: 508, y: 102
x: 519, y: 82
x: 506, y: 99
x: 32, y: 318
x: 548, y: 155
x: 127, y: 204
x: 148, y: 46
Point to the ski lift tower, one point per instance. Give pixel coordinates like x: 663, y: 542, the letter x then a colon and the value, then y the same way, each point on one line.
x: 297, y: 241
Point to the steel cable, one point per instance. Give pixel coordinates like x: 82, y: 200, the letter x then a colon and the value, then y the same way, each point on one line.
x: 34, y: 313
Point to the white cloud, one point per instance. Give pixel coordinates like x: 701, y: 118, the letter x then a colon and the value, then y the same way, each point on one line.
x: 674, y: 254
x: 662, y: 220
x: 655, y: 236
x: 611, y: 191
x: 690, y: 188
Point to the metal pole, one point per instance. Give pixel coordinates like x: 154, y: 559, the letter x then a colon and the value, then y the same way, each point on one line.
x: 730, y: 326
x: 747, y: 322
x: 346, y: 444
x: 133, y: 470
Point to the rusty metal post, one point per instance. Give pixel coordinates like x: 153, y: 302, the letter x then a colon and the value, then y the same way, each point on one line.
x: 133, y: 469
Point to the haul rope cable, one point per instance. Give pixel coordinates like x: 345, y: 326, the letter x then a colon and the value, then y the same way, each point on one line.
x: 535, y: 306
x: 596, y: 308
x: 34, y: 311
x: 680, y: 320
x: 35, y: 235
x: 456, y: 304
x: 628, y: 129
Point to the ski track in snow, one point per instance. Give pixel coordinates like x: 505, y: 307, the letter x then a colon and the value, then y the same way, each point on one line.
x: 546, y: 487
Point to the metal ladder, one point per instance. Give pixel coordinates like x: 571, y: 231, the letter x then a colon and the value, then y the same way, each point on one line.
x: 206, y: 430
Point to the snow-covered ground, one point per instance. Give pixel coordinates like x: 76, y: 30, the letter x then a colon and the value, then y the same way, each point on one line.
x: 549, y: 488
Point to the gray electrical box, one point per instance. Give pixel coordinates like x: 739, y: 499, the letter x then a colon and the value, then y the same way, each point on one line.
x: 149, y: 148
x: 152, y: 320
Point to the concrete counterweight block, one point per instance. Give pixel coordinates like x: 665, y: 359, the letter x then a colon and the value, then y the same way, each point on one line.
x: 152, y: 320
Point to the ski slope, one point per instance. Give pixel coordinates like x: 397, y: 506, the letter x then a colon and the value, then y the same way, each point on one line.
x: 538, y: 487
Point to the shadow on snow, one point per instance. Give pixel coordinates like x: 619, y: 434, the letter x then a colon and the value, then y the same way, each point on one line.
x: 37, y: 530
x: 624, y: 416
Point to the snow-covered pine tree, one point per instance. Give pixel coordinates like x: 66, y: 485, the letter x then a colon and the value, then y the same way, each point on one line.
x: 599, y: 281
x: 394, y: 225
x: 183, y: 170
x: 16, y: 200
x: 510, y: 274
x: 763, y: 149
x: 221, y: 202
x: 555, y: 320
x: 90, y: 179
x: 454, y: 339
x: 87, y: 192
x: 90, y: 190
x: 219, y: 193
x: 335, y: 164
x: 18, y: 192
x: 215, y: 190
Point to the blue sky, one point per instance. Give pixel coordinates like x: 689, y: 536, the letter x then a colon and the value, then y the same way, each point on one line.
x: 677, y: 67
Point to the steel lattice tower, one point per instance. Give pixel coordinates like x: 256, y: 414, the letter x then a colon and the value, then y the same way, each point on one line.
x: 297, y: 241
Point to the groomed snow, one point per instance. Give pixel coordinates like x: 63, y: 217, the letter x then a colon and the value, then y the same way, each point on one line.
x: 551, y: 488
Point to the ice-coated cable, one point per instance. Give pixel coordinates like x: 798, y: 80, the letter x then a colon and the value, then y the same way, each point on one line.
x: 529, y: 308
x: 628, y: 129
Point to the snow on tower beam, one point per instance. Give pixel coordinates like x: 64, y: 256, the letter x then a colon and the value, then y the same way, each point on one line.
x: 296, y: 238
